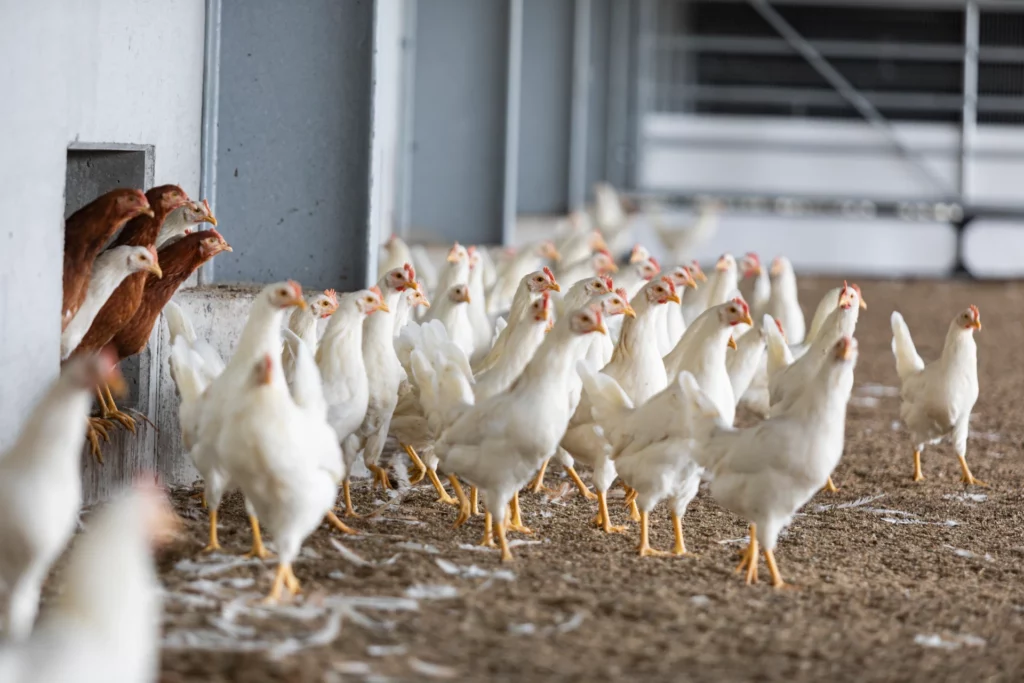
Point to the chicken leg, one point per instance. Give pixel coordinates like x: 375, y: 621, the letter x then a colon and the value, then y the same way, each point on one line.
x: 380, y: 476
x: 109, y: 411
x: 749, y: 561
x: 537, y: 485
x: 516, y: 518
x: 966, y: 476
x: 506, y: 554
x: 583, y: 488
x: 442, y: 495
x: 917, y: 465
x: 212, y: 544
x: 333, y: 520
x: 630, y: 502
x: 645, y: 549
x: 283, y: 577
x: 346, y: 489
x: 474, y: 501
x: 769, y: 558
x: 679, y: 549
x: 291, y: 582
x: 421, y: 469
x: 258, y: 549
x: 465, y: 508
x: 488, y: 539
x: 830, y: 486
x: 603, y: 520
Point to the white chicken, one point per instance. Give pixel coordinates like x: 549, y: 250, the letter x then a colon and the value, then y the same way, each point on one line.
x: 721, y: 287
x: 214, y: 407
x: 671, y: 323
x: 110, y: 268
x: 580, y: 293
x: 744, y: 362
x: 784, y: 302
x: 184, y: 221
x: 479, y: 321
x: 755, y: 285
x: 638, y: 274
x: 535, y: 283
x: 600, y: 263
x: 343, y: 372
x: 651, y: 447
x: 499, y: 443
x: 766, y: 473
x: 103, y: 627
x: 526, y: 337
x: 702, y: 352
x: 303, y: 323
x: 785, y: 384
x: 451, y: 308
x: 41, y: 487
x: 518, y: 264
x: 285, y: 456
x: 637, y: 367
x: 407, y: 306
x: 580, y: 241
x: 694, y: 300
x: 383, y: 371
x: 937, y: 398
x: 455, y: 270
x: 395, y: 253
x: 828, y: 303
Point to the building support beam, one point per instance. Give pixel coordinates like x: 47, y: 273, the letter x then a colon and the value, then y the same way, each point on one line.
x: 510, y: 191
x: 580, y: 106
x: 211, y: 113
x: 969, y: 117
x: 408, y: 138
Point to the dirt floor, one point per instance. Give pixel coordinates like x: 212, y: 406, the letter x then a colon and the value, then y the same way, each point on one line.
x: 893, y: 580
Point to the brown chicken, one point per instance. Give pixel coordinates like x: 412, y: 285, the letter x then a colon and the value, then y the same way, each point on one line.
x: 86, y: 231
x: 122, y: 304
x: 178, y: 260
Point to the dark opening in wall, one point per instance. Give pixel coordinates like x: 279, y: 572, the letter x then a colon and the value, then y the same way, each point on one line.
x: 92, y: 170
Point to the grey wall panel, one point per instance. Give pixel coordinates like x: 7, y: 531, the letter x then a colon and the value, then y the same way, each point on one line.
x: 545, y: 110
x: 294, y: 140
x: 597, y: 125
x: 459, y: 128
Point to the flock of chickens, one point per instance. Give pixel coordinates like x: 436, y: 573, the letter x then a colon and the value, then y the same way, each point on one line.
x: 516, y: 358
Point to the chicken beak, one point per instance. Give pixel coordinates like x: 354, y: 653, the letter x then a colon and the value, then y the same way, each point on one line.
x: 225, y: 246
x: 555, y: 287
x: 628, y: 311
x: 747, y: 320
x: 468, y: 299
x: 601, y: 328
x: 635, y: 257
x: 674, y: 298
x: 701, y: 276
x: 383, y: 307
x: 414, y: 285
x: 732, y: 342
x: 156, y: 270
x: 722, y: 264
x: 612, y: 268
x: 149, y: 212
x: 863, y: 304
x: 691, y: 283
x: 301, y: 303
x: 210, y: 219
x: 453, y: 257
x: 425, y: 303
x: 976, y: 324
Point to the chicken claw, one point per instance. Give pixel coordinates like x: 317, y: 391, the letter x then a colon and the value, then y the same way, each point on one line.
x: 96, y: 430
x: 583, y: 488
x: 679, y: 549
x: 420, y: 471
x: 749, y: 561
x: 212, y: 545
x: 280, y: 579
x: 769, y: 558
x: 258, y: 549
x: 109, y: 411
x: 506, y: 554
x: 291, y: 582
x: 442, y: 495
x: 537, y: 485
x: 488, y: 540
x: 515, y: 518
x: 380, y: 476
x: 645, y: 549
x: 634, y: 511
x: 464, y: 506
x: 966, y: 476
x: 333, y: 520
x: 349, y: 511
x: 830, y: 486
x: 603, y: 520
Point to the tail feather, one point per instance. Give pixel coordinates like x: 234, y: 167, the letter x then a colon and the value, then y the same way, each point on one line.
x: 779, y: 353
x: 306, y: 385
x: 607, y: 398
x: 908, y: 362
x: 178, y: 323
x: 185, y: 371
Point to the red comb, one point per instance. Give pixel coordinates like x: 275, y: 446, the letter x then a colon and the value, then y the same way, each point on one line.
x: 696, y: 266
x: 152, y: 250
x: 671, y: 285
x: 975, y: 311
x: 549, y: 274
x: 843, y: 290
x: 778, y: 324
x: 621, y: 291
x: 605, y: 252
x: 751, y: 256
x: 206, y: 204
x: 609, y: 283
x: 739, y: 300
x: 376, y: 290
x: 855, y: 288
x: 471, y: 249
x: 268, y: 369
x: 656, y: 264
x: 410, y: 271
x: 296, y: 287
x: 332, y: 295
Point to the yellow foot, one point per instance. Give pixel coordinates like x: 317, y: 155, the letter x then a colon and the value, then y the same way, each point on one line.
x: 96, y: 430
x: 380, y: 476
x: 830, y: 486
x: 966, y: 476
x: 348, y: 510
x: 212, y: 547
x: 488, y: 539
x: 679, y: 548
x: 580, y: 485
x: 603, y: 520
x: 537, y: 485
x: 258, y: 549
x: 749, y: 561
x: 123, y: 419
x: 333, y: 520
x: 212, y: 544
x: 442, y: 495
x: 634, y: 511
x: 645, y: 549
x: 419, y: 470
x: 280, y: 579
x: 506, y: 554
x: 648, y: 551
x: 917, y: 466
x: 464, y: 506
x: 777, y: 582
x: 519, y: 528
x: 292, y: 583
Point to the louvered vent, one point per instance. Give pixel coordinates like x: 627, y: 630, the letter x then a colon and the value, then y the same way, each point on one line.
x: 716, y: 57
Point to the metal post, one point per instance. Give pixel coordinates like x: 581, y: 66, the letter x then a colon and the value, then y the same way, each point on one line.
x: 580, y: 106
x: 371, y: 246
x: 510, y: 194
x: 211, y: 113
x: 408, y: 142
x: 643, y: 29
x: 849, y: 92
x: 617, y: 124
x: 969, y: 120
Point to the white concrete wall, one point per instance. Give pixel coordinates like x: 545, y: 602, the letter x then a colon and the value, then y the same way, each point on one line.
x: 103, y: 71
